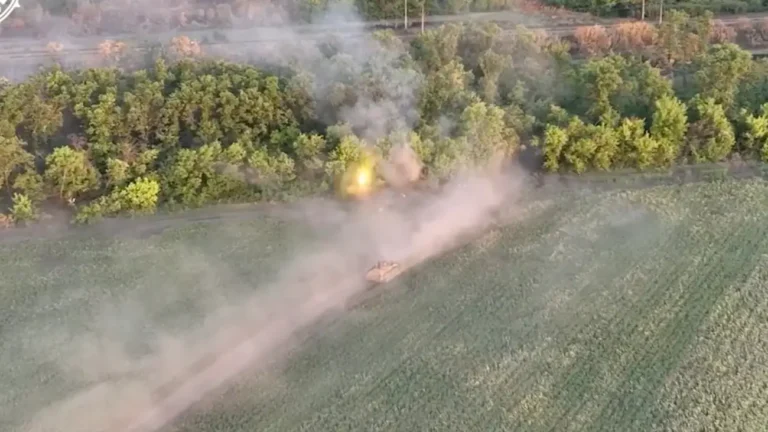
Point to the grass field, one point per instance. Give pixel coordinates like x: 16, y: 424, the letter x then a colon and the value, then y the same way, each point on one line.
x: 641, y: 310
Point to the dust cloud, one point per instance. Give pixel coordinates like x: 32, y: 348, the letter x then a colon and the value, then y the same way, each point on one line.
x: 142, y: 393
x: 179, y: 370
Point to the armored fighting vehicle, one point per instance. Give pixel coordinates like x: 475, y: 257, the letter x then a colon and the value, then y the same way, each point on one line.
x: 383, y: 271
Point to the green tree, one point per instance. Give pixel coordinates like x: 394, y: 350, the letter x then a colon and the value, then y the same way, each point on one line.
x: 30, y: 184
x: 143, y: 103
x: 23, y: 210
x: 272, y: 171
x: 139, y: 197
x: 755, y: 136
x: 642, y: 86
x: 579, y: 146
x: 309, y: 151
x: 668, y: 128
x: 437, y: 48
x: 195, y: 177
x: 446, y: 92
x: 117, y: 172
x: 70, y: 173
x: 554, y: 143
x: 491, y: 66
x: 638, y: 149
x: 719, y: 71
x: 349, y: 151
x: 477, y: 40
x: 711, y: 137
x: 682, y: 37
x: 487, y: 136
x: 451, y: 156
x: 599, y: 80
x: 12, y: 158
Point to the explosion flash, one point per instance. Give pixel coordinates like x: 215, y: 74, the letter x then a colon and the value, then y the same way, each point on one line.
x: 359, y: 180
x: 363, y: 178
x: 361, y: 185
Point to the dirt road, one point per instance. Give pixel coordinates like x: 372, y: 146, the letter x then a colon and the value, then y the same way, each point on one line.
x: 32, y: 51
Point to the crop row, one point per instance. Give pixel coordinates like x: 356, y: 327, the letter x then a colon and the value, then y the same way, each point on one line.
x: 579, y: 339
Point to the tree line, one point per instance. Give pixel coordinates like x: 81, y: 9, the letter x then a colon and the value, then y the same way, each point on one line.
x: 189, y: 131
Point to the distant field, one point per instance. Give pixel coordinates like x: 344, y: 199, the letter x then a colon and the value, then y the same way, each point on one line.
x: 641, y: 310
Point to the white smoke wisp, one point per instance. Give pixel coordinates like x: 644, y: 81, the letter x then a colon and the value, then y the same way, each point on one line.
x: 402, y: 167
x: 345, y: 58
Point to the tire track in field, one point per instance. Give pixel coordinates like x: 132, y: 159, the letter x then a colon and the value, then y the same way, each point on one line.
x: 685, y: 297
x: 618, y: 335
x: 395, y: 338
x: 682, y: 327
x: 521, y: 373
x: 741, y: 323
x: 619, y: 319
x: 653, y: 306
x: 555, y: 213
x: 406, y: 354
x: 502, y: 290
x: 577, y: 334
x: 638, y: 264
x: 494, y: 305
x: 671, y: 303
x: 625, y: 319
x: 501, y: 305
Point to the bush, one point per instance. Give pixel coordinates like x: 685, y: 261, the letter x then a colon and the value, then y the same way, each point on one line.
x: 23, y: 209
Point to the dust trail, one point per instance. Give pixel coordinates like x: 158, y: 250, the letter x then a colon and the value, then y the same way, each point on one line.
x: 247, y: 336
x: 142, y: 395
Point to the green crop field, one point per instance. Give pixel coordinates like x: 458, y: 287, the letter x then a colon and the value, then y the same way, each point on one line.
x: 615, y: 311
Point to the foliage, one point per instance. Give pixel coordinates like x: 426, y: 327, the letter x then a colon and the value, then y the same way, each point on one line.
x: 12, y: 158
x: 69, y: 173
x: 711, y: 137
x: 203, y: 131
x: 23, y: 209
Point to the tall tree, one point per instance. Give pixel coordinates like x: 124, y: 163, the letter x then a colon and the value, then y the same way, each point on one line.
x: 13, y: 157
x: 70, y: 173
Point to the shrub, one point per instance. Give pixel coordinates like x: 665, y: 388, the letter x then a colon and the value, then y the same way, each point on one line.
x: 592, y: 40
x: 23, y: 209
x: 633, y: 36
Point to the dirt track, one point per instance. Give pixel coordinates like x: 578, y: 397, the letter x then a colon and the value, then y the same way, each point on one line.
x: 30, y: 51
x: 543, y: 183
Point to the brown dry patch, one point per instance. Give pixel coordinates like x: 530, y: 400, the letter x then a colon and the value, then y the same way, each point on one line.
x: 722, y: 33
x: 5, y: 221
x: 633, y: 36
x: 592, y: 40
x: 185, y: 47
x: 54, y: 47
x: 111, y: 49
